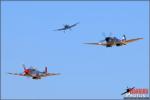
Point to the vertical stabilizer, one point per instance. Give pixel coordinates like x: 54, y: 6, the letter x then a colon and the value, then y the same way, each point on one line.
x: 123, y: 37
x: 45, y: 69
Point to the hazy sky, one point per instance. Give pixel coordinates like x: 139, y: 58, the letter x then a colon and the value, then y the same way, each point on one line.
x: 87, y: 72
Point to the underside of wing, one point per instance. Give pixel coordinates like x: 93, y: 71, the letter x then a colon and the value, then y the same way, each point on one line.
x: 98, y: 43
x: 74, y: 25
x: 60, y: 29
x: 50, y: 74
x: 16, y: 74
x: 132, y: 40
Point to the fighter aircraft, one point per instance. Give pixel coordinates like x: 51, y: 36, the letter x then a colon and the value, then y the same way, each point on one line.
x: 34, y: 73
x: 66, y: 27
x: 113, y: 41
x: 128, y: 90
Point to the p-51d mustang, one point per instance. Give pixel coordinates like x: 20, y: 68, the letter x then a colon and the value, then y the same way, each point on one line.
x: 66, y: 27
x: 34, y: 73
x: 113, y: 41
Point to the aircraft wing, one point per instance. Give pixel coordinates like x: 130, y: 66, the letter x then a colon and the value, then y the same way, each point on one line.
x: 16, y: 74
x: 98, y: 43
x: 52, y: 74
x: 49, y: 74
x: 60, y: 29
x: 132, y: 40
x: 74, y: 25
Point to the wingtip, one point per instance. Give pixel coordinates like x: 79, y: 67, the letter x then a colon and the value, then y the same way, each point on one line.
x: 141, y: 38
x: 93, y: 43
x: 85, y: 43
x: 78, y: 23
x: 58, y: 73
x: 88, y: 43
x: 54, y: 30
x: 9, y: 73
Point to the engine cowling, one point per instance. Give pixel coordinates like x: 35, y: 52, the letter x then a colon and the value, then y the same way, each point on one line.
x: 108, y: 39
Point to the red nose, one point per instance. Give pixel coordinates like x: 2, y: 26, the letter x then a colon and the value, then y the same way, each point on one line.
x: 26, y: 71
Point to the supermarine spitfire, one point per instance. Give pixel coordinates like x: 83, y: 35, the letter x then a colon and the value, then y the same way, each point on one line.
x: 34, y: 73
x: 67, y: 27
x: 113, y: 41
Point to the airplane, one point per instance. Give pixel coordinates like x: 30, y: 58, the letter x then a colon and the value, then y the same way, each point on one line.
x: 66, y: 27
x: 113, y: 41
x: 34, y: 73
x: 128, y: 90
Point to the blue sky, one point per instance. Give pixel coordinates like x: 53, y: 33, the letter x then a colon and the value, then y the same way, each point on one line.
x: 87, y: 72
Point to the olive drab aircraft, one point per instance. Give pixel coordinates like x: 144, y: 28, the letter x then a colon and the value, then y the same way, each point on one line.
x: 34, y: 73
x: 114, y: 41
x: 67, y: 27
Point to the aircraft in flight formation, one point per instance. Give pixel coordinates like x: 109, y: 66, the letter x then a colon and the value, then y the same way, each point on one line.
x: 128, y: 90
x: 34, y: 73
x: 108, y: 42
x: 114, y: 41
x: 67, y: 27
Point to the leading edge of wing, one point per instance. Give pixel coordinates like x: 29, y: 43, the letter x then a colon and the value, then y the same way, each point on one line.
x: 50, y: 74
x: 59, y: 29
x: 98, y: 43
x: 74, y: 24
x: 16, y: 74
x: 132, y: 40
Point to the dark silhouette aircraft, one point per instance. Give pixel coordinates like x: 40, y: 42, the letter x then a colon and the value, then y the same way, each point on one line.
x: 128, y: 90
x: 67, y: 27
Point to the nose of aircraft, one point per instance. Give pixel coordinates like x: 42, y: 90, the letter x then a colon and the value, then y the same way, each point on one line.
x: 26, y: 71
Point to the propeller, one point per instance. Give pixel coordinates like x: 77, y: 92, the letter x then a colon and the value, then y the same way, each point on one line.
x: 65, y: 25
x: 107, y: 38
x: 104, y: 34
x: 110, y: 34
x: 26, y: 71
x: 102, y: 40
x: 23, y: 65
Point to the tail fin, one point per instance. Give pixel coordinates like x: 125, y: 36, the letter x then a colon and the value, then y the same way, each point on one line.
x: 45, y: 69
x: 123, y: 37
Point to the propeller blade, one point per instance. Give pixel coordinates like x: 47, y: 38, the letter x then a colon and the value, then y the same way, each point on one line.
x: 110, y: 34
x: 104, y: 34
x: 102, y: 40
x: 23, y: 65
